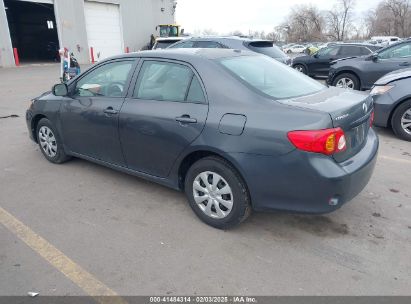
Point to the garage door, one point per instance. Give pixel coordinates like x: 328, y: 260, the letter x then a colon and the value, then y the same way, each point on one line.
x: 103, y: 29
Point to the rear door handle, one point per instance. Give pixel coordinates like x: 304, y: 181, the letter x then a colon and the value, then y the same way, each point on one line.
x: 186, y: 119
x: 405, y: 64
x: 110, y: 111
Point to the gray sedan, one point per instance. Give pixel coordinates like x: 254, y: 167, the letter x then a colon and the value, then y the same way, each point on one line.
x: 392, y: 99
x: 235, y: 130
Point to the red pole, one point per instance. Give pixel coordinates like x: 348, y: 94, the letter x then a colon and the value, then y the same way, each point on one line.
x: 16, y: 57
x: 127, y: 49
x: 92, y: 54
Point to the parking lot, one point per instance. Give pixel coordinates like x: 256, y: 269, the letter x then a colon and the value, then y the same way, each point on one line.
x: 80, y: 228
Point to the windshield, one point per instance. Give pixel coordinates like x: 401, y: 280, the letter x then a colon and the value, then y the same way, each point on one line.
x: 266, y: 48
x: 271, y: 77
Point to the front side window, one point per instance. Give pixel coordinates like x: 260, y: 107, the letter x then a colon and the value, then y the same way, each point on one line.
x: 108, y: 80
x: 270, y: 77
x: 328, y: 51
x: 167, y: 81
x: 183, y: 45
x: 399, y: 51
x: 207, y: 45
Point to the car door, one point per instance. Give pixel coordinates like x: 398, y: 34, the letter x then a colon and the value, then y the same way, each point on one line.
x: 89, y: 117
x: 163, y: 115
x: 322, y: 59
x: 388, y: 60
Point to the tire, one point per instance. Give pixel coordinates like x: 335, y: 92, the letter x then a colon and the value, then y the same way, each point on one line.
x: 218, y: 215
x: 400, y: 120
x: 300, y: 68
x: 50, y: 143
x: 289, y: 52
x: 349, y: 79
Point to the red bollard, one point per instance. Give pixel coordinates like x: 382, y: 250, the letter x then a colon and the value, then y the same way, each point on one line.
x: 92, y: 54
x: 127, y: 50
x: 16, y: 57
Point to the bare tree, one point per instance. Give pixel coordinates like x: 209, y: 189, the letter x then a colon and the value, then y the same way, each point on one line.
x: 339, y: 19
x: 304, y: 23
x: 390, y: 18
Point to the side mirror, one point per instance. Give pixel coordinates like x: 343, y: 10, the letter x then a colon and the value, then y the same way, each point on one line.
x: 60, y: 89
x: 316, y: 55
x: 374, y: 57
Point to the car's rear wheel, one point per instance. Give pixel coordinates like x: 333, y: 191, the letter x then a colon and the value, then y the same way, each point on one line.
x: 401, y: 120
x: 217, y: 193
x: 289, y: 52
x: 300, y: 68
x: 347, y: 81
x: 50, y: 143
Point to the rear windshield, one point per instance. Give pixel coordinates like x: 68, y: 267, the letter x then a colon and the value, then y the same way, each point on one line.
x: 271, y: 77
x: 266, y: 48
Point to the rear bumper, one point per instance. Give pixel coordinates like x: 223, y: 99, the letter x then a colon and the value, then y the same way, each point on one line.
x: 307, y: 182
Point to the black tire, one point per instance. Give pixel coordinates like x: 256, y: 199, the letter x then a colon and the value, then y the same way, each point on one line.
x: 350, y: 76
x: 399, y: 112
x: 59, y: 155
x: 241, y: 206
x: 289, y: 52
x: 302, y: 67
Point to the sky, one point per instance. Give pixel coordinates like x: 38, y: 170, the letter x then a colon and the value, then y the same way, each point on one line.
x: 224, y: 16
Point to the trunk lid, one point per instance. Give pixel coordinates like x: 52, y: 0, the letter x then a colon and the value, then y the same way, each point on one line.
x: 349, y: 110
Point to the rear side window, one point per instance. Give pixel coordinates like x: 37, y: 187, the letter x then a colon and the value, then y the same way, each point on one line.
x: 195, y: 93
x: 166, y: 81
x: 350, y: 51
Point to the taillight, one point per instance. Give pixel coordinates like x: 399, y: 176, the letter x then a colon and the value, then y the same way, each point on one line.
x: 372, y: 118
x: 328, y: 141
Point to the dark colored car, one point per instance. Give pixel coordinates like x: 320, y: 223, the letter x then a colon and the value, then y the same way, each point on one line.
x: 319, y: 63
x: 392, y: 101
x: 361, y: 73
x: 233, y: 129
x: 264, y: 47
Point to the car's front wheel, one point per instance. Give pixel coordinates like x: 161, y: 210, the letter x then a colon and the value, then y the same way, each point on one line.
x: 347, y: 81
x: 217, y: 193
x: 50, y: 143
x: 300, y: 68
x: 401, y: 120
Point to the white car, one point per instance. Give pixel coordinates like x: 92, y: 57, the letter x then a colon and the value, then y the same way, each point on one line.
x: 297, y: 48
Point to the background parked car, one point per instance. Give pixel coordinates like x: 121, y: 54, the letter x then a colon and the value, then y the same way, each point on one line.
x: 392, y: 101
x: 297, y: 48
x: 361, y: 73
x: 264, y: 47
x: 319, y: 63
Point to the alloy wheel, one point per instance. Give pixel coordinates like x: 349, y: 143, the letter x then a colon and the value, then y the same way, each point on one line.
x: 299, y: 68
x: 406, y: 121
x: 48, y: 141
x: 345, y: 83
x: 213, y: 194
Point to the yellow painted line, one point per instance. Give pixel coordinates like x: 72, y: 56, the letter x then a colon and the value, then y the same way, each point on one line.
x: 400, y: 160
x: 83, y: 279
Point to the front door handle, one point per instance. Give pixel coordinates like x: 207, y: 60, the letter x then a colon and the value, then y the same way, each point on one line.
x: 110, y: 111
x: 186, y: 119
x: 404, y: 64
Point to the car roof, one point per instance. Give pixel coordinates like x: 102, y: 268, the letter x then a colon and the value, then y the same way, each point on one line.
x: 187, y: 54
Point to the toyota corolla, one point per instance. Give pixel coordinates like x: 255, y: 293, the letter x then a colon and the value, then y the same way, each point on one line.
x: 236, y: 131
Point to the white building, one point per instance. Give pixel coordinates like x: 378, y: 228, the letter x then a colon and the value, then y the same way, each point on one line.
x: 37, y: 28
